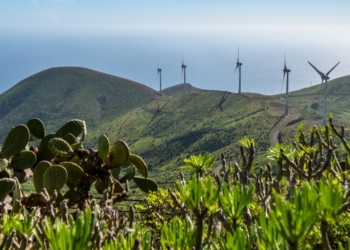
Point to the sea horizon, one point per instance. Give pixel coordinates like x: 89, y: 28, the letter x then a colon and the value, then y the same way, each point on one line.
x: 210, y: 58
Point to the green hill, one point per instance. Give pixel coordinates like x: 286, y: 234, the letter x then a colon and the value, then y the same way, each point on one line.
x: 166, y: 130
x: 58, y: 94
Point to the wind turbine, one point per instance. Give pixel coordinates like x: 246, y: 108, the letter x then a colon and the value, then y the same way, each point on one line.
x: 324, y: 78
x: 183, y: 68
x: 286, y: 71
x: 239, y: 65
x: 160, y: 80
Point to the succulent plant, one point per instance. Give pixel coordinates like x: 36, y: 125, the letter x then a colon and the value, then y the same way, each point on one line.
x: 146, y: 185
x: 23, y: 160
x: 36, y: 128
x: 38, y: 175
x: 75, y: 173
x: 17, y: 196
x: 54, y: 178
x: 118, y: 154
x: 103, y: 147
x: 15, y: 141
x: 60, y: 147
x: 7, y: 185
x: 75, y: 127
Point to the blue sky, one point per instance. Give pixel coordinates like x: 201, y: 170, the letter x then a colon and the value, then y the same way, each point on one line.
x: 128, y: 38
x: 108, y: 15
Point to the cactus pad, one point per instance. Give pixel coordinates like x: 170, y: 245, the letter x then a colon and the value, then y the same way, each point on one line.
x: 139, y: 164
x: 5, y: 174
x: 115, y: 172
x: 119, y: 154
x: 3, y: 164
x: 44, y: 153
x: 75, y: 173
x: 99, y: 186
x: 70, y: 138
x: 128, y: 176
x: 25, y: 159
x: 36, y: 129
x: 60, y: 147
x: 103, y: 147
x: 75, y: 127
x: 75, y: 160
x: 72, y: 196
x: 146, y: 185
x: 118, y: 188
x: 76, y: 146
x: 17, y: 196
x: 15, y: 141
x: 38, y: 175
x: 54, y: 178
x: 7, y: 185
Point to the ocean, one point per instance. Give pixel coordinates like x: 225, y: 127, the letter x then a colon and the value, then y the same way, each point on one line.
x: 210, y: 57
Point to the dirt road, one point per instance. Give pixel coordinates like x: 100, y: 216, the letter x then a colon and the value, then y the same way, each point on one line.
x: 293, y: 114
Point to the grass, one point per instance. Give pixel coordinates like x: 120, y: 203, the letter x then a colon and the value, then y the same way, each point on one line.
x: 163, y: 130
x: 59, y: 94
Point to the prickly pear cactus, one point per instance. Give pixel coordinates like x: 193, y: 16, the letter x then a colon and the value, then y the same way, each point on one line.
x: 3, y: 164
x: 75, y: 174
x: 72, y: 197
x: 15, y: 141
x: 36, y: 128
x: 44, y: 153
x: 25, y: 159
x: 70, y: 138
x: 7, y: 185
x: 128, y: 176
x: 54, y: 178
x: 17, y: 196
x: 103, y: 147
x: 118, y: 154
x: 61, y: 159
x: 60, y: 147
x: 139, y: 163
x: 75, y: 127
x: 38, y: 175
x: 146, y: 185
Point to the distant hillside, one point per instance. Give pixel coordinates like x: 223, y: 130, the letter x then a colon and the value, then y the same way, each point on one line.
x: 309, y: 102
x: 169, y: 129
x: 165, y: 130
x: 58, y: 94
x: 179, y: 89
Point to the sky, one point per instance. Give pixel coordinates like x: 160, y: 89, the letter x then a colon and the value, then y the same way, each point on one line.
x: 132, y: 38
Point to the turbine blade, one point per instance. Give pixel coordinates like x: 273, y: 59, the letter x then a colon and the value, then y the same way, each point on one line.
x: 332, y: 69
x: 319, y: 72
x: 236, y: 68
x: 238, y: 55
x: 284, y: 73
x: 285, y: 64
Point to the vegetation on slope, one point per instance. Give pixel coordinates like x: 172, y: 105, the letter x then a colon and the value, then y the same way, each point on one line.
x: 167, y: 130
x: 64, y: 93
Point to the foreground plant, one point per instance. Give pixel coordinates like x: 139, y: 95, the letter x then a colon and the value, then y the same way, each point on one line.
x: 61, y: 160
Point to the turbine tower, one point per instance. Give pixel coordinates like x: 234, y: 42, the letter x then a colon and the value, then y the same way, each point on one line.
x: 286, y: 71
x: 160, y: 81
x: 239, y: 65
x: 183, y: 68
x: 324, y: 78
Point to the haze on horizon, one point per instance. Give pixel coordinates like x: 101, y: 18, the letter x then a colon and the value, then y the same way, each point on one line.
x: 128, y: 38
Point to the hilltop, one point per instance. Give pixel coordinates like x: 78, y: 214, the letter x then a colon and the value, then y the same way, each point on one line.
x: 165, y: 130
x: 59, y: 94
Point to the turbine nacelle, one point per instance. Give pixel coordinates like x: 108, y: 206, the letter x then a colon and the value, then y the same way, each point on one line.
x: 324, y: 76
